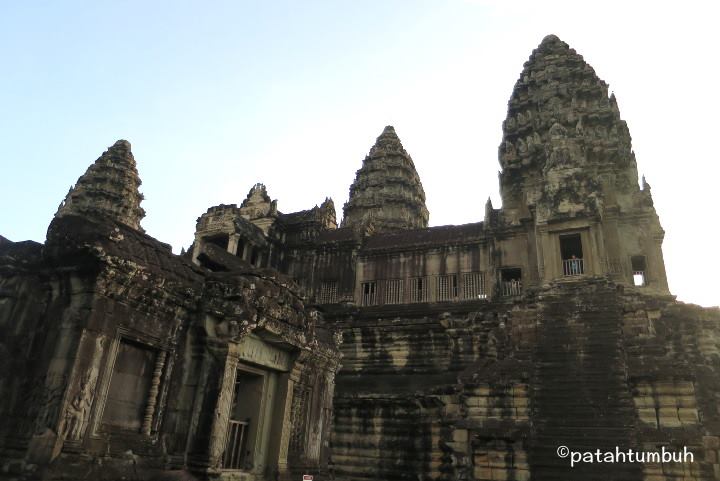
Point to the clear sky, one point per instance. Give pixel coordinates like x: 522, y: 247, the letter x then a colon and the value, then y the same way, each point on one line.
x: 216, y: 96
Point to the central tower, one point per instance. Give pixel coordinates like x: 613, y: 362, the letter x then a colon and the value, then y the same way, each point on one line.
x: 569, y: 173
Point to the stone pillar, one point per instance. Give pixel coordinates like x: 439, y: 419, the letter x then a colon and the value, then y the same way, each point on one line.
x: 269, y: 256
x: 233, y: 241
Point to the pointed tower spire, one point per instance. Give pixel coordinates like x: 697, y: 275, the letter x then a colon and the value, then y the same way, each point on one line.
x: 562, y: 133
x: 387, y: 191
x: 108, y: 189
x: 327, y: 214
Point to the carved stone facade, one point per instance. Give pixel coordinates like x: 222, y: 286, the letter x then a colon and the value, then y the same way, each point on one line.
x: 121, y: 360
x: 469, y: 352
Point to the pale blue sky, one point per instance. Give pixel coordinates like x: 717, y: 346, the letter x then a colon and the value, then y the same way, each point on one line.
x: 215, y: 96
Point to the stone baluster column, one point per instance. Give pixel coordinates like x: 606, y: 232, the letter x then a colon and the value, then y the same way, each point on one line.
x: 154, y: 391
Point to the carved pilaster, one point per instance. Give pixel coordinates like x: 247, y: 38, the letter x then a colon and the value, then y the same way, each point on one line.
x: 222, y: 414
x: 287, y: 427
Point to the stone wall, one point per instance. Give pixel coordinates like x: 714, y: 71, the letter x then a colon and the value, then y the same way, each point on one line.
x: 489, y: 390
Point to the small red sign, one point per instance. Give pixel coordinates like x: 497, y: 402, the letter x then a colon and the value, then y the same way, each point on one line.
x: 307, y: 477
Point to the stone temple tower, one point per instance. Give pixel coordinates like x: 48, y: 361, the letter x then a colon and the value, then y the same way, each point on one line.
x: 567, y: 164
x: 387, y: 192
x: 108, y: 189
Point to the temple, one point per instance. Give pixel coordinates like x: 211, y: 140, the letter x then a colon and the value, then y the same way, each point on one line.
x: 284, y: 344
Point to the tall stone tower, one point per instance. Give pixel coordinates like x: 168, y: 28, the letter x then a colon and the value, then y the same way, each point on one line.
x: 562, y: 132
x: 108, y: 189
x: 387, y: 192
x: 567, y: 164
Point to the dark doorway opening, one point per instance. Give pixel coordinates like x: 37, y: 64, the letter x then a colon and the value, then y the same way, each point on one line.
x: 220, y: 240
x: 244, y: 420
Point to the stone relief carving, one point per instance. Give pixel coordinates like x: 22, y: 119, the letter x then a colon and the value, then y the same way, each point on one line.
x: 77, y: 411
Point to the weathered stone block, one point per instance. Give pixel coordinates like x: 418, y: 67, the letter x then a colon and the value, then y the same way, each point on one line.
x: 500, y: 474
x: 481, y: 390
x: 711, y: 442
x: 522, y: 475
x: 688, y: 415
x: 481, y: 459
x: 711, y: 456
x: 460, y: 435
x: 477, y: 401
x: 482, y: 473
x: 648, y: 416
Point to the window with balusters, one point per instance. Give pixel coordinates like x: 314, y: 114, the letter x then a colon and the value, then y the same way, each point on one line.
x: 394, y: 291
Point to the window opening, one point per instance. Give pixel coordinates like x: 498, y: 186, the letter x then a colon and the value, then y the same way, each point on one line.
x: 511, y: 281
x: 328, y: 292
x: 220, y: 240
x: 447, y: 288
x: 639, y: 270
x: 572, y: 255
x: 418, y: 289
x: 474, y: 286
x: 369, y: 297
x: 394, y: 291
